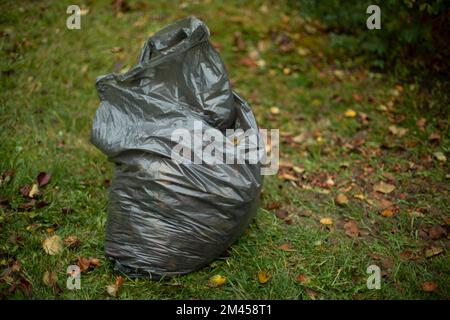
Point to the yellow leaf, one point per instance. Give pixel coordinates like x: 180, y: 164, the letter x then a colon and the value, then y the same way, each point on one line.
x: 341, y: 199
x: 217, y: 280
x: 52, y: 245
x: 34, y: 190
x: 263, y: 277
x: 433, y: 251
x: 350, y: 113
x: 383, y: 187
x: 440, y: 156
x: 359, y: 196
x: 275, y: 110
x: 326, y: 221
x: 298, y: 169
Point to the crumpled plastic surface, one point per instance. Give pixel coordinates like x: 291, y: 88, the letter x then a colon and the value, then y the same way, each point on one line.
x: 165, y: 217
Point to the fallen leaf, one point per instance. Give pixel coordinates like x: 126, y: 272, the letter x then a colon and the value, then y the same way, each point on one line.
x: 25, y: 190
x: 113, y: 289
x: 434, y: 137
x: 397, y: 131
x: 273, y: 205
x: 436, y: 232
x: 49, y: 278
x: 298, y: 169
x: 301, y: 278
x: 83, y: 263
x: 440, y: 156
x: 326, y: 221
x: 389, y: 212
x: 94, y: 262
x: 285, y: 247
x: 288, y: 176
x: 217, y: 280
x: 263, y: 277
x: 282, y: 214
x: 351, y: 228
x: 429, y: 286
x: 246, y: 61
x: 421, y: 124
x: 27, y: 205
x: 359, y: 196
x: 43, y: 178
x: 341, y: 199
x: 274, y: 110
x: 330, y: 182
x: 384, y: 187
x: 350, y: 113
x: 34, y: 191
x: 116, y: 49
x: 433, y: 251
x: 72, y: 241
x: 52, y: 245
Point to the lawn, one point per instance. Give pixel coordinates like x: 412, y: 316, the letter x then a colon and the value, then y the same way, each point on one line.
x: 363, y: 179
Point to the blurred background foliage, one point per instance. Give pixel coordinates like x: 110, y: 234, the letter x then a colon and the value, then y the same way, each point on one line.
x: 412, y: 41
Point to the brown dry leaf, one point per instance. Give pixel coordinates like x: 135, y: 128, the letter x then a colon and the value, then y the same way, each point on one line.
x: 248, y: 62
x: 263, y: 277
x: 273, y: 205
x: 397, y: 131
x: 433, y: 251
x: 301, y: 278
x: 83, y: 263
x: 389, y: 212
x: 217, y: 280
x: 288, y: 176
x: 341, y: 199
x: 94, y: 262
x: 383, y: 187
x: 286, y: 247
x: 434, y: 137
x: 25, y: 190
x: 421, y: 123
x: 436, y: 232
x: 72, y: 241
x: 116, y: 49
x: 351, y: 228
x: 43, y: 178
x: 52, y: 245
x: 326, y: 221
x: 282, y: 214
x: 113, y: 289
x: 429, y: 286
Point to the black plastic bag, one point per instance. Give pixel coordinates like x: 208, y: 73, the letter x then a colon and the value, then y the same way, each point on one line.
x: 167, y: 217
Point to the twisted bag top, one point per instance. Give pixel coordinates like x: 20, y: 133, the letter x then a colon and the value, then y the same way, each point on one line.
x: 166, y: 217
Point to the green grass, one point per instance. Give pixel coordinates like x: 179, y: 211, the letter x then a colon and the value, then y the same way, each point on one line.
x: 48, y: 100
